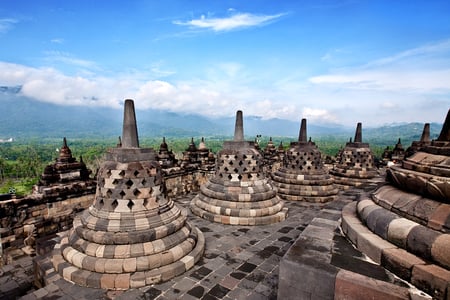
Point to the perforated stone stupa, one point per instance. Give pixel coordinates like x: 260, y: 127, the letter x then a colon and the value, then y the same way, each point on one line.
x: 239, y: 194
x: 303, y: 176
x: 409, y: 218
x: 355, y: 163
x: 132, y: 235
x: 65, y: 177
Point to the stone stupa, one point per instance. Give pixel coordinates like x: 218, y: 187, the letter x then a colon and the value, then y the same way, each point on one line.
x: 355, y: 164
x: 405, y: 224
x: 132, y: 235
x: 239, y: 193
x: 302, y: 176
x: 66, y: 177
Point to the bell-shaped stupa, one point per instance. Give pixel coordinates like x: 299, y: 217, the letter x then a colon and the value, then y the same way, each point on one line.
x: 355, y: 163
x: 132, y: 235
x: 239, y: 194
x: 302, y: 176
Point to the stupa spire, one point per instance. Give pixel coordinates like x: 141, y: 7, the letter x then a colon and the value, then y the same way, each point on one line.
x: 358, y: 133
x: 239, y: 127
x: 129, y: 133
x: 425, y: 133
x: 445, y: 132
x: 302, y: 136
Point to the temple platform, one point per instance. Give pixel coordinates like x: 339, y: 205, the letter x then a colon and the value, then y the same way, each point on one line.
x: 256, y: 262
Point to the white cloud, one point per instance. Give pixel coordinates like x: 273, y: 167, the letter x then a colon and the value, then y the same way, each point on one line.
x: 422, y: 69
x: 7, y: 24
x: 57, y: 41
x: 321, y: 115
x: 235, y: 21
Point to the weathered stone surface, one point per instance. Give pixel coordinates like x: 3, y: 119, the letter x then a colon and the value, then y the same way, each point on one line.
x: 239, y: 193
x: 440, y: 250
x: 351, y: 285
x: 432, y: 279
x: 131, y: 227
x: 400, y: 262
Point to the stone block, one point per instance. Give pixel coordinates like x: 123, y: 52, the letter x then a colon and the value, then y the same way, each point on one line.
x: 440, y: 219
x: 355, y: 286
x: 114, y: 266
x: 432, y: 279
x: 440, y: 250
x: 107, y: 281
x: 129, y: 265
x: 400, y: 262
x: 122, y: 281
x: 419, y: 241
x: 137, y: 280
x: 305, y: 278
x: 398, y: 231
x: 372, y: 245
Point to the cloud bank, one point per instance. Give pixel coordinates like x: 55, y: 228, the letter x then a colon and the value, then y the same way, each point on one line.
x: 410, y: 86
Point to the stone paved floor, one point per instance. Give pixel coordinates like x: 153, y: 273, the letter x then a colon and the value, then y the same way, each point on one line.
x: 240, y: 262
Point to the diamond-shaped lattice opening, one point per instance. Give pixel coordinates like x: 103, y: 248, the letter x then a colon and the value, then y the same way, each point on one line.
x: 136, y: 192
x: 245, y: 170
x: 240, y: 177
x: 115, y: 181
x: 129, y: 183
x: 108, y: 193
x: 114, y: 204
x: 122, y: 194
x: 244, y: 156
x: 250, y: 176
x: 101, y: 203
x: 231, y: 162
x: 229, y: 176
x: 145, y: 202
x: 108, y: 173
x: 121, y: 173
x: 143, y: 182
x: 220, y: 175
x: 253, y: 169
x: 236, y: 170
x: 241, y: 163
x: 225, y: 169
x: 136, y: 173
x: 130, y: 204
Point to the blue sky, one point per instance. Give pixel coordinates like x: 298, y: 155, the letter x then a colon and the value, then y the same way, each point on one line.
x: 342, y: 62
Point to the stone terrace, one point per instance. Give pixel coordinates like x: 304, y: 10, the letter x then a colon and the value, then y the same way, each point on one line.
x: 241, y: 262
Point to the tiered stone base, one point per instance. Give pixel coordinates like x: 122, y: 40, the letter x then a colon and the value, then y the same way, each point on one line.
x: 345, y: 178
x: 293, y: 186
x: 148, y: 253
x: 395, y: 229
x: 239, y: 203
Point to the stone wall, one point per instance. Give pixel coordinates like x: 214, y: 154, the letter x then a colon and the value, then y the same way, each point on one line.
x: 37, y: 217
x: 179, y: 183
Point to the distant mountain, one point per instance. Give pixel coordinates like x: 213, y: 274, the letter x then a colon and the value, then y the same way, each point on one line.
x: 23, y: 117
